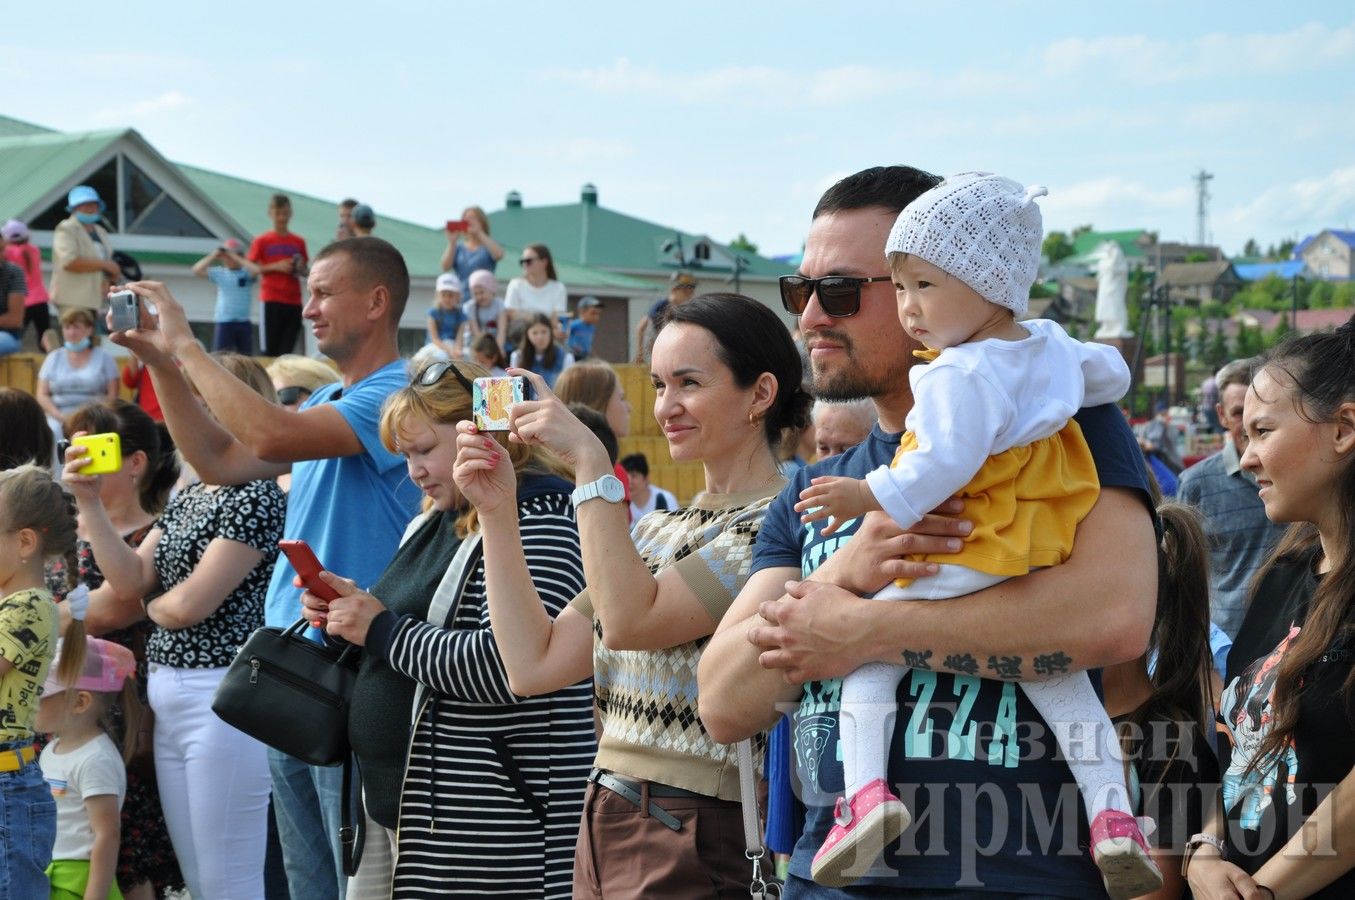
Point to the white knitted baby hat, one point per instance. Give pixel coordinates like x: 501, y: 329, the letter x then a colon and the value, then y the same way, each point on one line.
x: 980, y: 228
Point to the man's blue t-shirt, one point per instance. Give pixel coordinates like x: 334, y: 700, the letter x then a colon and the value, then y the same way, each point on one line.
x: 352, y: 510
x: 970, y: 756
x: 580, y: 338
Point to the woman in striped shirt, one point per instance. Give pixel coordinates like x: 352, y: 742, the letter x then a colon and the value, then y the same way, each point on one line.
x: 662, y: 815
x: 485, y: 799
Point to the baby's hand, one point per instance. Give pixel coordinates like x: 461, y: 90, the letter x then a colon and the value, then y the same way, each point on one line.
x: 839, y: 498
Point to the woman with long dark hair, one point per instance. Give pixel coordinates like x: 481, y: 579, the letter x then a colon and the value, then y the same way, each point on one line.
x: 1287, y: 823
x: 662, y: 814
x: 540, y: 353
x: 537, y: 290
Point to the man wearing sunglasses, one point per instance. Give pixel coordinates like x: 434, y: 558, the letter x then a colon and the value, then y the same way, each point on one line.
x: 996, y: 811
x: 350, y: 498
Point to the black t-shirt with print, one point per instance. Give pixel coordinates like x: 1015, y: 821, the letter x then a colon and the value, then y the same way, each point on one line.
x: 250, y: 514
x: 1283, y: 591
x: 1267, y: 806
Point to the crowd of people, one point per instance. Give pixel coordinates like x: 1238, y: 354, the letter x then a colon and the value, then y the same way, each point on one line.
x: 930, y: 578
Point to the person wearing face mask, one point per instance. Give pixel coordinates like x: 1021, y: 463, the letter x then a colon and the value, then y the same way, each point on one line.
x: 79, y: 371
x: 82, y: 256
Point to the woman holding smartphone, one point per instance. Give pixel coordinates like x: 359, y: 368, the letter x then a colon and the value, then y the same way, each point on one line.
x: 484, y: 799
x: 470, y: 249
x: 727, y: 377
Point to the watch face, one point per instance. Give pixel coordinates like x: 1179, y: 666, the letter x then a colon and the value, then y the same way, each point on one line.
x: 611, y: 489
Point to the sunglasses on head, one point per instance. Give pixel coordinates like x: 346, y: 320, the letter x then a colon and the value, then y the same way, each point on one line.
x: 292, y: 395
x: 839, y: 295
x: 433, y: 372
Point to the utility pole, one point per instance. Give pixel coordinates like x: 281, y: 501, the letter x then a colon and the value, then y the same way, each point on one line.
x: 1202, y: 179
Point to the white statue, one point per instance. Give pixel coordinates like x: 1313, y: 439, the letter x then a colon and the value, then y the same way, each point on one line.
x: 1112, y: 283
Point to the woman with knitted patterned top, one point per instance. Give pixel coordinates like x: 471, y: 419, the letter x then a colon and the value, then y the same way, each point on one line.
x: 727, y: 378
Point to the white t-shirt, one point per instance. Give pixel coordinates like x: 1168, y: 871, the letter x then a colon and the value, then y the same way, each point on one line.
x: 88, y: 771
x: 550, y: 298
x: 637, y: 511
x: 1011, y: 393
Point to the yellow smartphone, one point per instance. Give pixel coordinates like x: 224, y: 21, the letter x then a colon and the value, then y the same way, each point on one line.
x: 105, y: 452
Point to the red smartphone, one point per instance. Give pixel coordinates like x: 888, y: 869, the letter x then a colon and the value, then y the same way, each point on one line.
x: 458, y: 225
x: 302, y: 558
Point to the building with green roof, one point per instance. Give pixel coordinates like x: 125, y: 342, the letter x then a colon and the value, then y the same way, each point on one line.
x: 589, y: 234
x: 168, y: 215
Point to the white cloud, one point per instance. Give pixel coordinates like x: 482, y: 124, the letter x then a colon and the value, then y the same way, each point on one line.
x: 1112, y: 202
x: 1143, y: 60
x: 1297, y: 208
x: 170, y: 101
x: 768, y: 84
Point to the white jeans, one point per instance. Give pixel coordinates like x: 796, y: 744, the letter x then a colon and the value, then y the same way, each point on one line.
x: 214, y: 785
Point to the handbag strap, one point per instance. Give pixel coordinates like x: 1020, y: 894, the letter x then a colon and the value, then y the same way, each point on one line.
x: 353, y: 818
x: 447, y: 597
x: 760, y: 888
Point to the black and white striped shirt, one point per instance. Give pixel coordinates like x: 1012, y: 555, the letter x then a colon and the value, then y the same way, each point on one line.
x: 493, y: 792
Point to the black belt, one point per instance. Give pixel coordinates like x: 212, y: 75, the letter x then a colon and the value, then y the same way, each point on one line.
x: 633, y: 792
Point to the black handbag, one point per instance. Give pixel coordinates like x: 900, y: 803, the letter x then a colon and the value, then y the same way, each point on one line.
x: 291, y: 693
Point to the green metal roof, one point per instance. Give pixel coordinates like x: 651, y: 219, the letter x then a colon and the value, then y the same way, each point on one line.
x: 17, y: 128
x: 1128, y: 240
x: 597, y: 236
x: 33, y: 165
x: 35, y: 161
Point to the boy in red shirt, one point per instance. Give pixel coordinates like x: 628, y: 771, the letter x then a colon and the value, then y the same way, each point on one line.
x: 282, y: 259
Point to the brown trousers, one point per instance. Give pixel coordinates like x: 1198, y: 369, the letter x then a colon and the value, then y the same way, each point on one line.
x: 623, y: 854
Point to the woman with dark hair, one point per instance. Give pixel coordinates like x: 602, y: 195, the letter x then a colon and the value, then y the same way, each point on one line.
x: 24, y: 434
x: 727, y: 378
x: 540, y: 353
x: 537, y: 290
x: 1286, y: 826
x: 133, y: 497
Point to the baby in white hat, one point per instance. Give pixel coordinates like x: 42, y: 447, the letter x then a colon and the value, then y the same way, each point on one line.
x: 992, y: 422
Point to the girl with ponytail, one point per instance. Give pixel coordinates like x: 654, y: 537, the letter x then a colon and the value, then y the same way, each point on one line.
x: 37, y: 521
x: 1162, y: 703
x: 1286, y: 825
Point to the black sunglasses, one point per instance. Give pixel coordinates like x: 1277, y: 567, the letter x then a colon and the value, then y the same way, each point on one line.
x: 292, y: 395
x: 839, y: 295
x: 433, y: 372
x: 528, y: 260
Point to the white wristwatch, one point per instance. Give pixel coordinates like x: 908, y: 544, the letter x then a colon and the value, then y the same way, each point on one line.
x: 608, y: 487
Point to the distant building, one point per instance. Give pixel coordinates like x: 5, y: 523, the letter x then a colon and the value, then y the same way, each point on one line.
x: 1330, y: 254
x: 168, y: 215
x: 589, y: 234
x: 1201, y: 282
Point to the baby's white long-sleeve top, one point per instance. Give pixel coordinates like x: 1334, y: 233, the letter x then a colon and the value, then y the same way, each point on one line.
x: 978, y: 399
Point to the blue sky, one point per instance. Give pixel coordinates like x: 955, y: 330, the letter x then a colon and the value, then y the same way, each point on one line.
x: 722, y: 118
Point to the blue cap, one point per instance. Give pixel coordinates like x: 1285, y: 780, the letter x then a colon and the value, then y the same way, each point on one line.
x: 82, y: 194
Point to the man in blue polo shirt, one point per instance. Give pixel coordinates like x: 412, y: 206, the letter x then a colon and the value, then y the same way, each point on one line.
x: 996, y: 811
x: 350, y: 498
